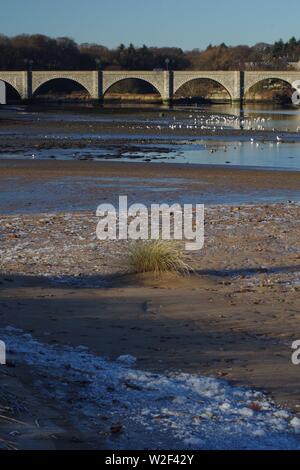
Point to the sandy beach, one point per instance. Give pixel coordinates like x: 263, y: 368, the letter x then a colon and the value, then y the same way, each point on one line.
x: 233, y: 319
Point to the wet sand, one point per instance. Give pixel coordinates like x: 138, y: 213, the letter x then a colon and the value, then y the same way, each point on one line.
x: 238, y: 177
x: 35, y: 186
x: 239, y: 335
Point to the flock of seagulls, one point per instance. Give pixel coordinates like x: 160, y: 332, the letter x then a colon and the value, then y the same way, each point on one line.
x: 214, y: 122
x: 218, y: 122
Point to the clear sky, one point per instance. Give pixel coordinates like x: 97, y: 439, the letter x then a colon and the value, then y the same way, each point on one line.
x: 184, y: 23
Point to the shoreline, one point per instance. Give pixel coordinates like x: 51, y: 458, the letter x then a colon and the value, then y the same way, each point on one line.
x: 72, y: 167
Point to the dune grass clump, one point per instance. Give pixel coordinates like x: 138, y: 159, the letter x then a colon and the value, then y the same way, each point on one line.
x: 157, y: 256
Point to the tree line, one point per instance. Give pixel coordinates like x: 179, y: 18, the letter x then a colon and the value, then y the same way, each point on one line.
x: 41, y: 52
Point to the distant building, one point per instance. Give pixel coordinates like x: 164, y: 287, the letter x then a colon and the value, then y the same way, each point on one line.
x: 295, y: 65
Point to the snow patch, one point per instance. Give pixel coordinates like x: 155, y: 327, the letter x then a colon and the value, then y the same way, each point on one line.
x: 174, y: 411
x: 127, y: 359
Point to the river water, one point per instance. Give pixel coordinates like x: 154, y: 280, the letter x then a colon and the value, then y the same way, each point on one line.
x: 159, y: 134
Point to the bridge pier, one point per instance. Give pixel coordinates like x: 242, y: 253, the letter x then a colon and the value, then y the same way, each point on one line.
x: 168, y: 80
x: 237, y: 88
x: 99, y: 98
x: 27, y: 86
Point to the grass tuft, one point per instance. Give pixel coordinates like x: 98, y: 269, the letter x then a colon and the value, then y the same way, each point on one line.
x: 157, y: 256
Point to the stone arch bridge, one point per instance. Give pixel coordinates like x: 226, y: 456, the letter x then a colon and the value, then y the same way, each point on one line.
x: 167, y: 83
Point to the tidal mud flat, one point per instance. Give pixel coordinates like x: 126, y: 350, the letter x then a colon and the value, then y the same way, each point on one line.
x: 99, y: 357
x: 35, y: 186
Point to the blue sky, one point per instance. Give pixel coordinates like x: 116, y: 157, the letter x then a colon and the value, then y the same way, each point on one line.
x: 186, y: 23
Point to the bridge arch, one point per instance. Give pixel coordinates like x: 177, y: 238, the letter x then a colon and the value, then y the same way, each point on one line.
x: 155, y: 79
x: 15, y: 80
x: 57, y: 82
x: 254, y: 77
x: 203, y: 82
x: 268, y: 80
x: 11, y: 90
x: 135, y: 82
x: 88, y: 80
x: 230, y: 80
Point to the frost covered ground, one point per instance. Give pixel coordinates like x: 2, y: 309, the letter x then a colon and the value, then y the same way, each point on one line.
x: 124, y: 408
x: 254, y: 246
